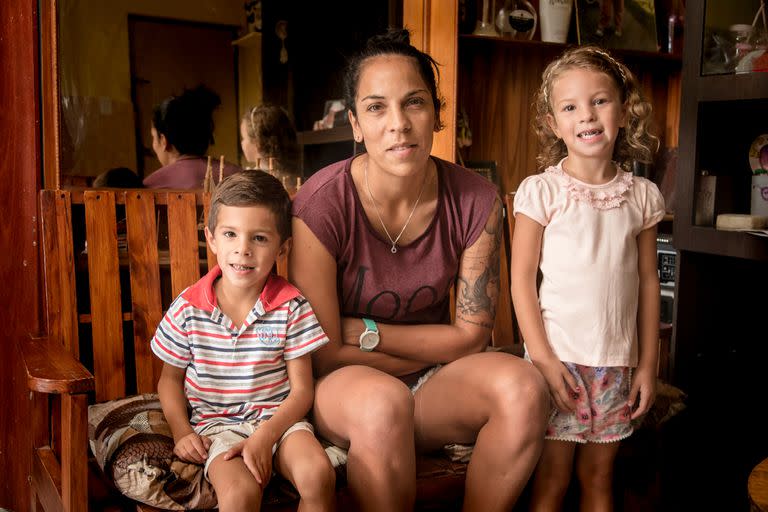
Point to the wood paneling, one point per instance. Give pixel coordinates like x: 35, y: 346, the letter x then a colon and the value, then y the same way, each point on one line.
x: 21, y: 163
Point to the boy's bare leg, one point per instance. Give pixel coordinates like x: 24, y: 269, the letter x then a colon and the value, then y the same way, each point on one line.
x: 302, y: 460
x: 371, y: 414
x: 552, y: 476
x: 594, y: 467
x: 499, y: 402
x: 235, y: 486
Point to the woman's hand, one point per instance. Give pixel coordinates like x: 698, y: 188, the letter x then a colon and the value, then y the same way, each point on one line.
x: 351, y: 329
x: 562, y: 386
x: 257, y: 456
x: 192, y: 448
x: 644, y: 384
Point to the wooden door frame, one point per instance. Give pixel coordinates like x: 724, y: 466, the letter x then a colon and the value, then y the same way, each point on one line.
x: 21, y: 160
x: 434, y: 27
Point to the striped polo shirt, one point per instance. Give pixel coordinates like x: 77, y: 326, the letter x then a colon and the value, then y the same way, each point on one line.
x: 236, y: 374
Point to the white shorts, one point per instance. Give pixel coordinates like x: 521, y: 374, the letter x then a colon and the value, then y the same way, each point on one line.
x: 225, y: 436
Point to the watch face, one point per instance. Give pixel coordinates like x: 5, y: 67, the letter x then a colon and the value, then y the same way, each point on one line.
x: 369, y: 340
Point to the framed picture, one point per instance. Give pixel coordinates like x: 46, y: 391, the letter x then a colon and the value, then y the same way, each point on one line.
x: 622, y: 24
x: 485, y: 168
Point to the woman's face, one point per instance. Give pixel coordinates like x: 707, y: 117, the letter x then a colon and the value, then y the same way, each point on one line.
x: 250, y: 150
x: 158, y: 146
x: 395, y: 114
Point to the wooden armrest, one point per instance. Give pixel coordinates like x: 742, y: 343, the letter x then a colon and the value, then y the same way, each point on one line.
x: 52, y: 369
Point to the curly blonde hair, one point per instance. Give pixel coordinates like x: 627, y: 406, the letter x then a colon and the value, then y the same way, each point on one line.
x: 634, y: 141
x: 269, y: 127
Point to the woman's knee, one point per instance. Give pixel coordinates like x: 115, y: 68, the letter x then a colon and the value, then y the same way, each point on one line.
x: 387, y: 408
x: 522, y: 392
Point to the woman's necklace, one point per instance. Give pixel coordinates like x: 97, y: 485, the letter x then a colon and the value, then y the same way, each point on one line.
x: 376, y: 209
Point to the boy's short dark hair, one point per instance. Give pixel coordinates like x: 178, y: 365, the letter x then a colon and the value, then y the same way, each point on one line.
x: 253, y: 188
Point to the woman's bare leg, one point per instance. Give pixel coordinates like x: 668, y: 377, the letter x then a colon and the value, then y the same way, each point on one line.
x: 552, y: 476
x: 302, y: 460
x: 499, y: 402
x: 371, y: 414
x: 594, y: 467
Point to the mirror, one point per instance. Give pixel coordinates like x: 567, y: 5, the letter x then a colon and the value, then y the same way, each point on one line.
x: 107, y: 64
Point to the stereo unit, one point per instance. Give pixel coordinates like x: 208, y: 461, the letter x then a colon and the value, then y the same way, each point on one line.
x: 666, y: 256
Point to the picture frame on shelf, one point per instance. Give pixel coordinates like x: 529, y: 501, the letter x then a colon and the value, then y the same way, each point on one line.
x: 485, y: 168
x: 619, y: 24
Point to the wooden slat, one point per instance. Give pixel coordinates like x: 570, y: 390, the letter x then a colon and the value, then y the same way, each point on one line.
x: 74, y: 434
x: 146, y: 303
x: 61, y: 302
x: 104, y: 280
x: 46, y: 479
x: 211, y: 258
x: 182, y: 222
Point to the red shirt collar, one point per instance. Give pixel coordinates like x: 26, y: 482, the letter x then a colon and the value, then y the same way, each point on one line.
x: 276, y: 292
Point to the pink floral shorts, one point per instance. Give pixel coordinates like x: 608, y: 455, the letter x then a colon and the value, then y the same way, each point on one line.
x: 602, y: 414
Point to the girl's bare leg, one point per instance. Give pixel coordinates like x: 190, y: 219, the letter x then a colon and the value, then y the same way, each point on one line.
x: 594, y: 467
x: 371, y: 414
x: 499, y: 402
x: 552, y: 476
x: 302, y: 460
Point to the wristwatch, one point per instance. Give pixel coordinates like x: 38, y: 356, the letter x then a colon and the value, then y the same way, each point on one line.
x: 369, y: 339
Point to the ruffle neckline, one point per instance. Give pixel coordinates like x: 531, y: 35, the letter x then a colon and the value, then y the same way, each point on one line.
x: 601, y: 197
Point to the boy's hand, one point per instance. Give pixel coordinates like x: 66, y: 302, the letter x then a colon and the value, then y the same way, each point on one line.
x: 257, y: 455
x: 192, y: 448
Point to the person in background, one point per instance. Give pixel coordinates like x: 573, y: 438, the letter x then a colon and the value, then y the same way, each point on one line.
x: 117, y: 177
x: 235, y: 348
x: 268, y: 140
x: 589, y: 226
x: 380, y: 239
x: 182, y: 130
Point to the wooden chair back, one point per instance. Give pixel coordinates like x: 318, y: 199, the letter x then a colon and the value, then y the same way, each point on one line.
x: 104, y: 288
x: 506, y: 332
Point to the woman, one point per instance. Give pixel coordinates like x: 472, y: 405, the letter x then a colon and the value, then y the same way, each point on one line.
x: 268, y: 140
x: 182, y: 130
x: 379, y: 240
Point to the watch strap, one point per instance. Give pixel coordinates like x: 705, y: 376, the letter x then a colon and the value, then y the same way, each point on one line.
x: 370, y: 325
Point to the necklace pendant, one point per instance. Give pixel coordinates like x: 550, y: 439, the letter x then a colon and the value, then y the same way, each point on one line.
x: 393, y: 250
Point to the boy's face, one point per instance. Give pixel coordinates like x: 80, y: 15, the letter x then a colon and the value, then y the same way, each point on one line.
x: 246, y: 244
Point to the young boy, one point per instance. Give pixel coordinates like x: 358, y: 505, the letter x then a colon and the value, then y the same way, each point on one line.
x: 235, y: 347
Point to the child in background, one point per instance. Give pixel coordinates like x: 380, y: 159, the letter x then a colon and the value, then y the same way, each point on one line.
x: 236, y: 348
x: 590, y: 227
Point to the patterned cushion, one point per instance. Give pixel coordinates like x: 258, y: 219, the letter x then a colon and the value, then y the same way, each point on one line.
x: 133, y: 444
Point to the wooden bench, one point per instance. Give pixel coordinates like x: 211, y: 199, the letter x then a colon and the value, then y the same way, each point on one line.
x: 108, y: 279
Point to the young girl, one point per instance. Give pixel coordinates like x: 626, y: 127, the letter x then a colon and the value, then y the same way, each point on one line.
x: 590, y: 227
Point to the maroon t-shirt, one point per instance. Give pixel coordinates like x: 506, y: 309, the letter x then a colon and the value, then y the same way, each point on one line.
x: 412, y: 285
x: 187, y: 174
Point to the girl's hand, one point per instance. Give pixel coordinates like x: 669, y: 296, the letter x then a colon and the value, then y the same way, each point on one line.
x: 192, y: 448
x: 257, y: 455
x: 562, y: 385
x: 644, y: 383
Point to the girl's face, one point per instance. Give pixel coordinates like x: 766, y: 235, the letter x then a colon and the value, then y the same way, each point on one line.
x: 250, y: 150
x: 395, y: 114
x: 587, y: 113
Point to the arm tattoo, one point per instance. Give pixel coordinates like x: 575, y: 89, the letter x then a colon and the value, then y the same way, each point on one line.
x: 480, y: 296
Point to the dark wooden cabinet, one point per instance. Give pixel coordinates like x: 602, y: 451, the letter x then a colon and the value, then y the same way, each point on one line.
x: 720, y: 340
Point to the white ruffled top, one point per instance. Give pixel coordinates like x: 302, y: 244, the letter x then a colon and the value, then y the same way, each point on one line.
x: 602, y: 197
